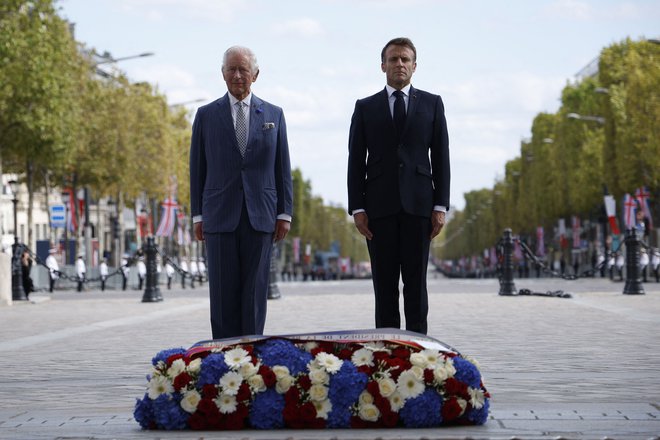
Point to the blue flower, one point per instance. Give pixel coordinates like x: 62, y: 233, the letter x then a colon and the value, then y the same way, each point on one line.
x: 259, y: 110
x: 267, y: 410
x: 213, y: 367
x: 163, y: 355
x: 479, y: 416
x: 345, y: 388
x: 423, y: 411
x: 168, y: 412
x: 283, y: 352
x: 466, y: 372
x: 144, y: 413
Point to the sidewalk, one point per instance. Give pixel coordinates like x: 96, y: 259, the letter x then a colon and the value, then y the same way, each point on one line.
x: 586, y: 367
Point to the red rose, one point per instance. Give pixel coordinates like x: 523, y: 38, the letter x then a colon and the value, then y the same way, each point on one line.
x: 381, y: 355
x: 389, y: 418
x: 358, y: 423
x: 208, y: 408
x: 307, y: 412
x: 345, y: 354
x: 181, y: 381
x: 451, y: 409
x: 267, y: 374
x: 428, y: 376
x: 305, y: 382
x: 372, y: 387
x: 198, y: 421
x: 235, y: 420
x: 243, y: 392
x: 210, y: 391
x: 292, y: 396
x: 382, y: 403
x: 455, y: 387
x: 366, y: 369
x: 401, y: 353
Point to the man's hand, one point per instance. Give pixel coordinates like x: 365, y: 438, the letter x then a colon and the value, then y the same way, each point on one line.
x: 281, y: 229
x: 199, y: 232
x: 437, y: 222
x: 362, y: 224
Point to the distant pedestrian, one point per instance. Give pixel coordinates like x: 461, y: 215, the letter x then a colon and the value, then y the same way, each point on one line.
x: 169, y: 271
x: 125, y: 270
x: 81, y: 271
x: 103, y: 271
x: 26, y: 268
x: 142, y: 271
x: 53, y: 268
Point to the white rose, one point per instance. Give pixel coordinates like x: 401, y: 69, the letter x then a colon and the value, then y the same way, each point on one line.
x: 319, y: 376
x: 369, y: 412
x: 280, y: 371
x: 190, y: 401
x: 386, y: 386
x: 247, y: 370
x: 195, y: 365
x: 366, y: 398
x: 256, y: 383
x: 318, y: 392
x: 283, y: 384
x: 418, y: 372
x: 418, y: 360
x: 309, y: 346
x: 177, y: 367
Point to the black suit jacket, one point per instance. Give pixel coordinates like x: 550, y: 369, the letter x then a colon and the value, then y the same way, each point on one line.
x: 387, y: 174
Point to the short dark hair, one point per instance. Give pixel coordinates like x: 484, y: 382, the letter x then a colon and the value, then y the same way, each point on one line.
x: 399, y: 41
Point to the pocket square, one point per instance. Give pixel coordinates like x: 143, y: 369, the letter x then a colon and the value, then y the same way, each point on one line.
x: 268, y: 125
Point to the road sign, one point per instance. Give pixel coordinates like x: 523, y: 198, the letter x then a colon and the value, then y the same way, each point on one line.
x: 57, y: 216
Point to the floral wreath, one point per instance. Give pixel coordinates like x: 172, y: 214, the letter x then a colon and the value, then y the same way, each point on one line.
x: 289, y: 382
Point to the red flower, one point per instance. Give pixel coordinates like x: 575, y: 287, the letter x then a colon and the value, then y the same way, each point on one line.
x: 381, y: 355
x: 366, y: 369
x: 389, y: 418
x: 307, y: 412
x: 372, y: 387
x: 267, y: 374
x: 345, y: 354
x: 210, y: 391
x: 243, y: 392
x: 401, y: 353
x: 397, y: 366
x: 455, y: 387
x: 181, y: 381
x: 235, y: 420
x: 198, y: 421
x: 451, y: 409
x: 292, y: 396
x: 428, y: 376
x: 208, y: 408
x: 305, y: 382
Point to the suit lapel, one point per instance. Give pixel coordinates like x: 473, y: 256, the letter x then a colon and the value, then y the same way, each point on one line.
x: 256, y: 119
x: 226, y: 121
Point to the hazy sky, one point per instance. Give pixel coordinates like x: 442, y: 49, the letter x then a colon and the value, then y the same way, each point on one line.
x: 495, y: 63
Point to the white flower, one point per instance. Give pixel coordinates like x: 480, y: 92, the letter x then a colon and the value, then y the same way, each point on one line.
x: 477, y: 397
x: 462, y: 403
x: 283, y: 384
x: 369, y: 412
x: 330, y: 362
x: 195, y: 365
x: 236, y: 357
x: 386, y: 386
x: 190, y: 401
x: 409, y: 385
x: 323, y: 408
x: 376, y: 346
x: 230, y: 383
x: 418, y: 372
x: 318, y: 392
x: 225, y: 403
x: 309, y: 346
x: 159, y: 385
x: 280, y: 371
x: 248, y: 370
x: 318, y: 376
x: 256, y: 383
x: 365, y: 398
x: 444, y: 371
x: 363, y: 357
x: 418, y: 359
x: 396, y: 401
x: 433, y: 358
x: 472, y: 360
x: 177, y: 367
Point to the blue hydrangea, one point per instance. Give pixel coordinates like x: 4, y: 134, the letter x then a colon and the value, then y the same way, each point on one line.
x: 423, y: 411
x: 213, y: 367
x: 163, y: 355
x: 466, y: 372
x: 283, y: 352
x: 267, y: 410
x: 168, y: 413
x: 144, y: 413
x: 479, y: 416
x: 345, y: 388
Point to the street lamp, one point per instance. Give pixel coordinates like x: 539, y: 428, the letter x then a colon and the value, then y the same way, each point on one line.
x: 17, y: 292
x: 598, y: 119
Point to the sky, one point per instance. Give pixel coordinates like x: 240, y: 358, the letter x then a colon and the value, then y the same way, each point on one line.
x: 496, y: 64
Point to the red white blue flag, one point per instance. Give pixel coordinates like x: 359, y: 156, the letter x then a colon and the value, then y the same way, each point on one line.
x: 629, y: 211
x: 643, y: 196
x: 168, y: 218
x: 610, y: 208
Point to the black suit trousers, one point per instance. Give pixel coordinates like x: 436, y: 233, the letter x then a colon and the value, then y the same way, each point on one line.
x: 400, y: 245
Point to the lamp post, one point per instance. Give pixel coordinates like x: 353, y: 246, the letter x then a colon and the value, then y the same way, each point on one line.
x: 598, y: 119
x: 17, y: 292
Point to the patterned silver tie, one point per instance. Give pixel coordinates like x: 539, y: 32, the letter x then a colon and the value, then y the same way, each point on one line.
x: 241, y: 128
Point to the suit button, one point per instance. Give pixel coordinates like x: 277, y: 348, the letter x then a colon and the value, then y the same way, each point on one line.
x: 400, y: 165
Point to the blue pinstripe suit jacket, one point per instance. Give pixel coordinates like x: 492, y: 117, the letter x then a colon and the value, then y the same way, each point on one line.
x: 220, y: 179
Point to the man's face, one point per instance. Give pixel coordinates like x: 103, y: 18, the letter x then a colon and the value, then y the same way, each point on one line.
x: 238, y: 75
x: 398, y: 66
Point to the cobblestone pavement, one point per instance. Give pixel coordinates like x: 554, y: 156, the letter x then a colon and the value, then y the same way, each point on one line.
x: 72, y: 364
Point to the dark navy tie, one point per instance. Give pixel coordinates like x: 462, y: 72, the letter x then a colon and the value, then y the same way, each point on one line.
x: 399, y: 112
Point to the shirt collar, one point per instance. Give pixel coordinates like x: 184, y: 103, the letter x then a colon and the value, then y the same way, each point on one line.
x: 390, y: 90
x: 233, y: 100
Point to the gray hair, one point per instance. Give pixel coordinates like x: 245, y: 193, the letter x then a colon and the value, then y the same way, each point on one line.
x: 254, y: 66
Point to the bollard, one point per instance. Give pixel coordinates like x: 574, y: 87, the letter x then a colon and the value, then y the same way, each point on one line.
x: 17, y: 291
x: 151, y: 291
x: 507, y: 286
x: 633, y: 279
x: 273, y: 290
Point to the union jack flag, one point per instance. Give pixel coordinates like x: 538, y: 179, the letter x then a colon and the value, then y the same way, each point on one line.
x: 643, y: 196
x: 629, y: 211
x: 166, y: 226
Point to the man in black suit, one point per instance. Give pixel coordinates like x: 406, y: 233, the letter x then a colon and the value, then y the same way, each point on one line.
x: 398, y: 184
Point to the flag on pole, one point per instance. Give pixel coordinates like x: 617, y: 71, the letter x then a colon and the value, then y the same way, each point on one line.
x: 629, y: 211
x: 610, y: 209
x: 71, y: 217
x: 643, y: 196
x: 563, y: 243
x: 540, y: 245
x: 167, y: 219
x: 575, y: 225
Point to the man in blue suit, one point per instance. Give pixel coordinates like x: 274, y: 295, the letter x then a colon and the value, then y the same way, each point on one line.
x: 398, y: 184
x: 241, y: 195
